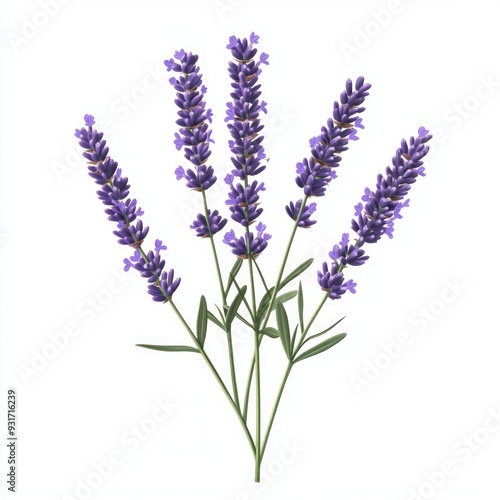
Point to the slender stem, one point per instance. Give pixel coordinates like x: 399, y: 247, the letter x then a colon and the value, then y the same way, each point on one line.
x: 287, y: 373
x: 214, y: 251
x: 283, y: 263
x: 216, y: 375
x: 224, y: 302
x: 232, y: 369
x: 261, y: 276
x: 270, y: 307
x: 257, y: 408
x: 257, y: 374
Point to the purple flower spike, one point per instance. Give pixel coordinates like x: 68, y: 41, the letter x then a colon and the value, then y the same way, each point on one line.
x: 249, y: 245
x: 376, y: 216
x: 243, y: 112
x: 331, y: 280
x: 214, y: 225
x: 198, y: 181
x: 165, y: 288
x: 316, y: 172
x: 304, y: 221
x: 346, y: 254
x: 383, y: 205
x: 114, y: 192
x: 243, y: 117
x: 194, y: 135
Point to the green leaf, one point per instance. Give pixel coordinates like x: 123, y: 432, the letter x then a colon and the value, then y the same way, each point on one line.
x: 324, y: 331
x: 235, y: 304
x: 296, y: 272
x: 300, y: 304
x: 322, y: 346
x: 214, y: 320
x: 201, y: 322
x: 172, y: 348
x: 270, y: 332
x: 261, y: 310
x: 284, y: 297
x: 233, y: 273
x: 243, y: 320
x: 283, y: 328
x: 292, y: 345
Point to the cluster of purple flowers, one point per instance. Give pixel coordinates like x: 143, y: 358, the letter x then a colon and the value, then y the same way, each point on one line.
x: 315, y: 173
x: 114, y: 191
x: 246, y: 145
x: 377, y: 215
x: 194, y: 135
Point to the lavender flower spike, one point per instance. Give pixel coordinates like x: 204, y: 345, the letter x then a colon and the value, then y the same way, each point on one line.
x: 243, y: 115
x: 194, y: 134
x: 315, y: 173
x: 125, y: 213
x: 376, y: 217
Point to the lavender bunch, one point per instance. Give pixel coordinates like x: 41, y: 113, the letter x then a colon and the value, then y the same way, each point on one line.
x: 265, y: 310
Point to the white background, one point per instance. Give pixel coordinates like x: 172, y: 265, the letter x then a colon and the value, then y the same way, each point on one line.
x: 428, y: 62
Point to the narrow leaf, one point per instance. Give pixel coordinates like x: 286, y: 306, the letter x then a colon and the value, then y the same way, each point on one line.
x: 283, y: 328
x: 243, y: 320
x: 261, y: 310
x: 292, y: 345
x: 201, y: 323
x: 300, y: 304
x: 221, y: 314
x: 214, y: 320
x: 270, y: 332
x: 296, y: 272
x: 322, y: 346
x: 329, y: 328
x: 233, y: 273
x: 284, y: 297
x: 172, y: 348
x: 235, y: 304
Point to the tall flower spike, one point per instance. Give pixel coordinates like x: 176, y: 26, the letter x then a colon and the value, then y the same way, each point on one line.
x: 377, y: 215
x: 124, y: 211
x: 315, y: 173
x: 243, y: 117
x: 194, y: 134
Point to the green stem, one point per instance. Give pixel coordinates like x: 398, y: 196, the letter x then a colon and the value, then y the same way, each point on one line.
x: 216, y: 375
x: 270, y: 307
x: 258, y: 458
x: 261, y: 276
x: 214, y: 251
x: 287, y: 373
x: 257, y: 373
x: 224, y: 302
